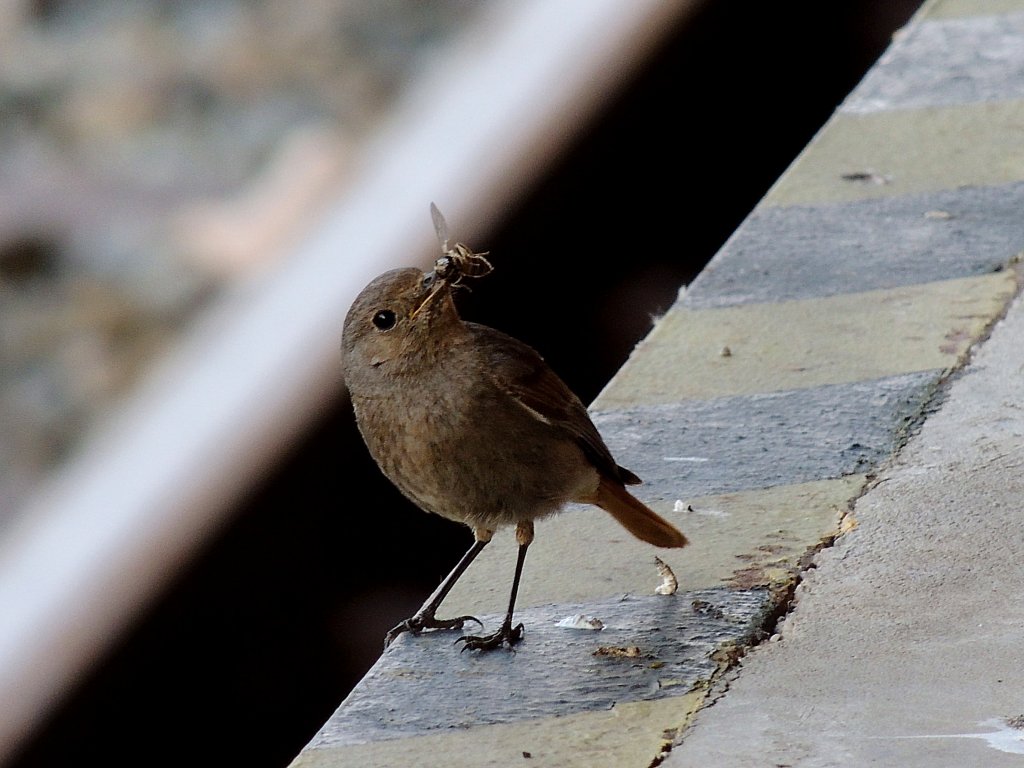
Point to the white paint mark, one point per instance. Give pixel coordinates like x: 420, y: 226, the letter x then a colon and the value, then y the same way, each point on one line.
x: 712, y: 512
x: 1006, y: 738
x: 695, y: 459
x: 682, y: 506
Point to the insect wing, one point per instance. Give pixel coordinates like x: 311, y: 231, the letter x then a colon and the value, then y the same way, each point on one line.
x: 440, y: 227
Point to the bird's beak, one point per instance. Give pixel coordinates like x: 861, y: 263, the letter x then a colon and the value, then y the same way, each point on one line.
x: 435, y: 290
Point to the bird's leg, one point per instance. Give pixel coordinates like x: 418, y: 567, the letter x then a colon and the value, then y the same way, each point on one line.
x: 507, y: 634
x: 424, y: 617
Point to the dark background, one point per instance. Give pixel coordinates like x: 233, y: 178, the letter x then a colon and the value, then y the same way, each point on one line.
x: 253, y: 648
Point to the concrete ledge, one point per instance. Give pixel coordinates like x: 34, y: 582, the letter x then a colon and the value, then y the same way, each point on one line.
x: 810, y: 342
x: 607, y: 739
x: 642, y: 660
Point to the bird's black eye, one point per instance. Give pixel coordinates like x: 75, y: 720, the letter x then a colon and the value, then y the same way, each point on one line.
x: 384, y: 319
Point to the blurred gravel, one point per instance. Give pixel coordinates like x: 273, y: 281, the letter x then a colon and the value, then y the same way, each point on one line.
x: 150, y: 153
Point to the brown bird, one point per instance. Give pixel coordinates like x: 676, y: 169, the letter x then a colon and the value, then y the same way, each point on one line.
x: 472, y: 425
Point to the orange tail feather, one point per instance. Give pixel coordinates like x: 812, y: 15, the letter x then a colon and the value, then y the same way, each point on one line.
x: 636, y: 517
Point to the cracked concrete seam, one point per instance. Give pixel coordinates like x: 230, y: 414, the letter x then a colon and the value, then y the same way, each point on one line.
x: 882, y: 475
x: 786, y: 595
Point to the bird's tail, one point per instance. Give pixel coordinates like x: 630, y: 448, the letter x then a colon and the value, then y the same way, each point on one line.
x: 636, y: 517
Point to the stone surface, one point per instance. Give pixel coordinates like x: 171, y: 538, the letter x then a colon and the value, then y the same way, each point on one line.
x: 809, y: 343
x: 738, y: 539
x: 905, y: 152
x: 904, y: 648
x: 948, y: 61
x: 633, y: 733
x: 813, y: 251
x: 655, y: 647
x: 702, y: 447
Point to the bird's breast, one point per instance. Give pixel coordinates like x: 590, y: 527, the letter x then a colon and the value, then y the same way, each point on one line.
x: 470, y: 453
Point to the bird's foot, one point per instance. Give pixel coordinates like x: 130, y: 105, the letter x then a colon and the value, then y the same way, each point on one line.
x: 422, y: 621
x: 506, y: 635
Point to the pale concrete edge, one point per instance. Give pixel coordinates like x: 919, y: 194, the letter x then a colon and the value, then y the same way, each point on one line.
x: 932, y: 401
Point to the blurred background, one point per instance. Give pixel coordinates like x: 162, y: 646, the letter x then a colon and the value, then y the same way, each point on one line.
x: 158, y: 156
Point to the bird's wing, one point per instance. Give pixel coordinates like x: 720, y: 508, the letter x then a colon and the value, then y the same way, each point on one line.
x: 518, y: 370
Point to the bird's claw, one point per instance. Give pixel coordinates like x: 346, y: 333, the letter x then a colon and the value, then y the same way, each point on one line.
x: 419, y: 622
x: 507, y: 634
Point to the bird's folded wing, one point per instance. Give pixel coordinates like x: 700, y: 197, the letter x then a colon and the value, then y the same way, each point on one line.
x: 518, y: 370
